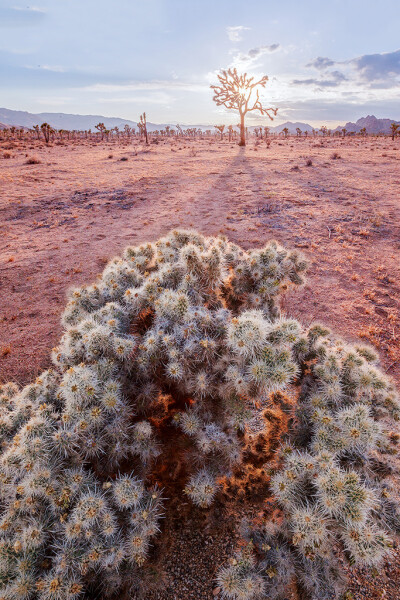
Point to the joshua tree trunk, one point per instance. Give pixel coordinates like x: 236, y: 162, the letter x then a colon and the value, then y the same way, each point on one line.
x: 242, y: 131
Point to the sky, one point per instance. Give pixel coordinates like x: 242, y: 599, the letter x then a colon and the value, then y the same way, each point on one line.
x: 328, y: 62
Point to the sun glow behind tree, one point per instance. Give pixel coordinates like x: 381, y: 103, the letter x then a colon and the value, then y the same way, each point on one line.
x: 241, y: 93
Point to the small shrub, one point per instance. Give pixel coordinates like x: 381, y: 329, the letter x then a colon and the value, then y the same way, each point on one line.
x: 33, y: 161
x: 6, y: 155
x: 335, y: 156
x: 309, y: 162
x: 123, y: 158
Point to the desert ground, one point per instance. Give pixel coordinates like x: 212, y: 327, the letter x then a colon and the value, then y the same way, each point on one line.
x: 65, y: 213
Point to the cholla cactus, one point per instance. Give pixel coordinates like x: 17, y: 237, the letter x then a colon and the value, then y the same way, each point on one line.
x: 188, y: 318
x: 331, y: 488
x: 240, y: 579
x: 184, y: 338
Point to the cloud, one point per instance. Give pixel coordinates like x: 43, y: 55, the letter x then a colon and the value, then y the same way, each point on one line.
x: 376, y: 67
x: 368, y: 68
x: 336, y: 78
x: 260, y: 50
x: 21, y: 16
x: 234, y: 33
x: 244, y: 59
x: 321, y: 63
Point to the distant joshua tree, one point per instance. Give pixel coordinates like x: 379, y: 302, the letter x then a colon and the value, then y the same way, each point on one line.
x: 46, y: 130
x: 127, y: 131
x: 220, y: 128
x: 241, y: 93
x: 142, y: 124
x: 324, y: 130
x: 37, y: 130
x: 285, y: 131
x: 344, y: 131
x: 363, y: 131
x: 298, y: 131
x: 102, y: 128
x: 394, y: 129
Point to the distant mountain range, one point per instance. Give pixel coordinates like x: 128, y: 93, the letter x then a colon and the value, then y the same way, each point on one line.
x: 371, y: 124
x: 21, y: 118
x: 25, y: 119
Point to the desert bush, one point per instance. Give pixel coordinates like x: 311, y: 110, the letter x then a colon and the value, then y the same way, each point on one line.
x: 33, y: 160
x: 171, y: 352
x: 335, y: 156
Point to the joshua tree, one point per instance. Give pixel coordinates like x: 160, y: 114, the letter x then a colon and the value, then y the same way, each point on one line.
x: 127, y: 131
x: 36, y: 128
x: 47, y: 130
x: 116, y: 130
x: 230, y: 132
x: 102, y: 128
x: 394, y: 129
x: 324, y: 130
x: 298, y: 131
x: 142, y: 124
x: 363, y: 131
x: 285, y: 131
x: 344, y: 131
x: 241, y: 93
x: 266, y: 132
x: 221, y: 130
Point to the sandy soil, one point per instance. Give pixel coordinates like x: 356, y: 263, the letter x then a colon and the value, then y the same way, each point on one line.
x: 63, y: 218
